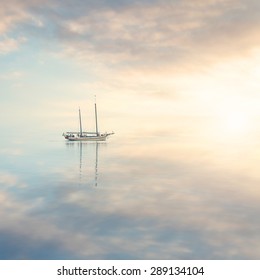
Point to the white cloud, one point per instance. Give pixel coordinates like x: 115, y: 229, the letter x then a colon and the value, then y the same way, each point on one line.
x: 141, y: 34
x: 152, y: 49
x: 154, y: 34
x: 14, y: 75
x: 12, y: 12
x: 8, y: 45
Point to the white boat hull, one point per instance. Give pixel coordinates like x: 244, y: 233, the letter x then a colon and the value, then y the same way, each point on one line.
x: 72, y: 136
x: 88, y: 138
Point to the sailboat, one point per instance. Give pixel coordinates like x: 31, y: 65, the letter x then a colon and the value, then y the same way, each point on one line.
x: 87, y: 136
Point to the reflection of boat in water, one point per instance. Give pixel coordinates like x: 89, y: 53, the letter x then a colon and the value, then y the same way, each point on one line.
x: 88, y: 161
x: 87, y: 136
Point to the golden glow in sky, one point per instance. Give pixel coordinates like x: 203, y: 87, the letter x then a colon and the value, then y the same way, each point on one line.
x: 178, y: 83
x: 237, y: 122
x: 150, y: 63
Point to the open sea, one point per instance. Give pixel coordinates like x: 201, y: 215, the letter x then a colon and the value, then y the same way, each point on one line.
x: 151, y: 196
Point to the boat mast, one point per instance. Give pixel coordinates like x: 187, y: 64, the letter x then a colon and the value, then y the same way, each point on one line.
x: 80, y: 125
x: 96, y: 117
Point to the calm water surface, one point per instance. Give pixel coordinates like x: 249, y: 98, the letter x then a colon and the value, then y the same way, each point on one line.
x: 157, y: 197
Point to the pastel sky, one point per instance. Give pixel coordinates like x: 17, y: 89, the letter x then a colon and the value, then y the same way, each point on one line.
x: 147, y: 62
x: 187, y: 70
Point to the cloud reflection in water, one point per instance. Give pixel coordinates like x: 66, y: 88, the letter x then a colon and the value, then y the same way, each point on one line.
x: 111, y: 201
